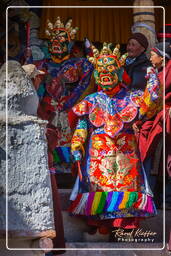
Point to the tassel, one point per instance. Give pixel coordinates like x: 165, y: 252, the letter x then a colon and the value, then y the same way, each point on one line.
x: 79, y: 171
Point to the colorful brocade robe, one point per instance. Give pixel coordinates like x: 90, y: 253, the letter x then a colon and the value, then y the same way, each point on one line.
x: 59, y: 91
x: 114, y: 184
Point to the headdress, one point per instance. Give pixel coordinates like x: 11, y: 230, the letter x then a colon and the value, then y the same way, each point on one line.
x: 53, y: 30
x: 106, y: 51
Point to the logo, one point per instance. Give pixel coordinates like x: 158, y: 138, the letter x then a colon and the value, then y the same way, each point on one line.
x: 134, y: 235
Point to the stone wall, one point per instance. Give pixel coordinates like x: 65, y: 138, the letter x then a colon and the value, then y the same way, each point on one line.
x: 23, y: 162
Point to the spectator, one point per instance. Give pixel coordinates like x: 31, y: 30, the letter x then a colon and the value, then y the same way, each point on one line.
x: 157, y: 58
x: 150, y: 134
x: 137, y: 62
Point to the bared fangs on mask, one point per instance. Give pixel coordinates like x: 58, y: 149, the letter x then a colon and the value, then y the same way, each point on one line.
x: 60, y: 37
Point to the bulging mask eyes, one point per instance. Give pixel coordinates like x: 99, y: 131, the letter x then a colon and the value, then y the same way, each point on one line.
x: 111, y: 68
x: 100, y: 69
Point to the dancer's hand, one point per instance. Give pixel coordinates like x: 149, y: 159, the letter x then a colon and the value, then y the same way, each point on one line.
x: 137, y: 126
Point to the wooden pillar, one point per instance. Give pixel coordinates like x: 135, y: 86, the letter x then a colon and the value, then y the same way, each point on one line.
x: 144, y: 21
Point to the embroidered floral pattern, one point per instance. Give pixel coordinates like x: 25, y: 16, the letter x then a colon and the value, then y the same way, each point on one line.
x: 116, y: 184
x: 110, y: 112
x: 114, y: 164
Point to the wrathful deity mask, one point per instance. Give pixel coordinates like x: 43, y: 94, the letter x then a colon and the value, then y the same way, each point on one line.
x: 60, y: 37
x: 108, y: 67
x: 59, y: 45
x: 107, y: 73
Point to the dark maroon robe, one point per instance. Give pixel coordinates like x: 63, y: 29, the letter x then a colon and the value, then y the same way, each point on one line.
x: 151, y: 131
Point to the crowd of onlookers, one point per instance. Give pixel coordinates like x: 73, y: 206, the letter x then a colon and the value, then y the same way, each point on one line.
x: 154, y: 135
x: 150, y: 133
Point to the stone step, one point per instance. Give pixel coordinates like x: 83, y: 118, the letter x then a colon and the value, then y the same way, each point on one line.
x: 75, y: 229
x: 19, y: 244
x: 115, y: 249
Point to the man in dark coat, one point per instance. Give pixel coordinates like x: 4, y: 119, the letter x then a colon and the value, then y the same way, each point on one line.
x: 137, y: 62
